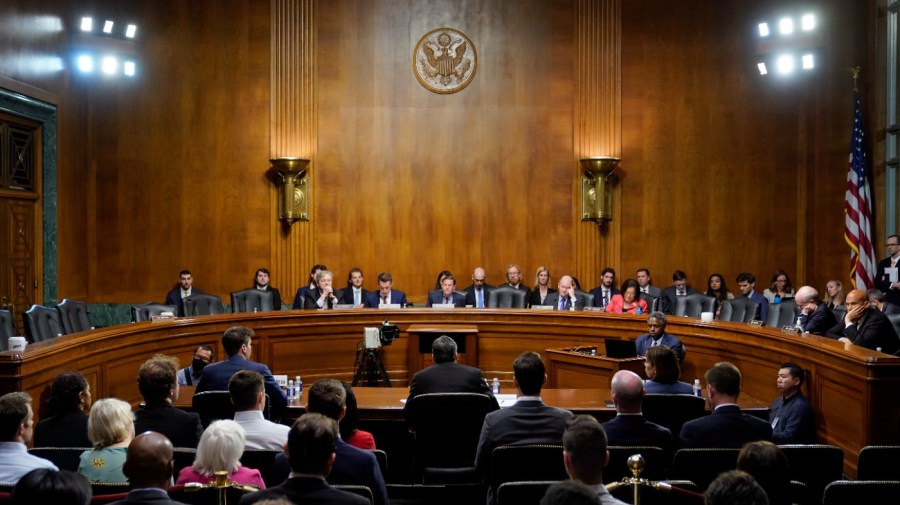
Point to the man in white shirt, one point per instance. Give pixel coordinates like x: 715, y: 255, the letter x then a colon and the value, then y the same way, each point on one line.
x: 644, y: 281
x: 247, y: 393
x: 355, y: 294
x: 184, y: 289
x: 16, y: 429
x: 605, y: 291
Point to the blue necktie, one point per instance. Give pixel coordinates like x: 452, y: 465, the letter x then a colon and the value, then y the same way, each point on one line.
x: 479, y: 299
x: 562, y: 303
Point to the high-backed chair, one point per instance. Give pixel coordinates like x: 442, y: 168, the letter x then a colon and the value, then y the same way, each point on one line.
x: 261, y: 460
x: 65, y: 458
x: 878, y: 462
x: 652, y: 301
x: 741, y: 310
x: 702, y: 466
x: 588, y: 297
x: 252, y: 300
x: 534, y: 462
x: 815, y: 465
x: 522, y: 492
x: 783, y: 313
x: 7, y: 328
x: 42, y: 323
x: 506, y: 297
x: 895, y: 320
x: 693, y: 305
x: 843, y: 492
x: 74, y: 316
x: 183, y: 457
x: 672, y: 411
x: 213, y: 405
x: 839, y: 313
x: 202, y: 305
x: 655, y: 462
x: 146, y: 311
x: 357, y: 489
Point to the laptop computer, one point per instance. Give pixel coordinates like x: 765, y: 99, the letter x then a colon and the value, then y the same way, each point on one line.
x: 616, y: 348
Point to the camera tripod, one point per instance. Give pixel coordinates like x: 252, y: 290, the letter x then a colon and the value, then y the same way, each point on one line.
x: 369, y: 368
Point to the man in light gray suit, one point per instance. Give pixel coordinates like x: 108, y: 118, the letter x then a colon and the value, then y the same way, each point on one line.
x: 643, y: 279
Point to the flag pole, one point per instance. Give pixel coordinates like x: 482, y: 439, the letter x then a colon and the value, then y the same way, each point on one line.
x: 854, y: 71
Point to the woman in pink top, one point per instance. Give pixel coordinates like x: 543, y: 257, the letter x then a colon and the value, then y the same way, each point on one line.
x: 220, y: 448
x: 348, y: 425
x: 629, y: 301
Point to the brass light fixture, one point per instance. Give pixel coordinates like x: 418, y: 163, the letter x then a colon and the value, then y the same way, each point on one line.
x: 290, y: 176
x: 596, y: 188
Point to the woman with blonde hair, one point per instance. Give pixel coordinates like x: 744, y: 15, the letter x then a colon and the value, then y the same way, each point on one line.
x: 834, y: 295
x: 110, y: 430
x: 220, y: 449
x: 541, y: 287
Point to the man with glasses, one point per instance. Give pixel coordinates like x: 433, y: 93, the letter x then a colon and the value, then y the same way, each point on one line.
x: 477, y: 293
x: 815, y: 317
x: 865, y: 326
x: 887, y: 278
x: 656, y: 335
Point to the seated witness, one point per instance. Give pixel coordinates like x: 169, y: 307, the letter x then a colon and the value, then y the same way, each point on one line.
x: 656, y: 335
x: 769, y: 466
x: 157, y: 382
x: 220, y: 449
x: 663, y: 371
x: 16, y: 428
x: 542, y: 288
x: 261, y: 282
x: 190, y: 375
x: 350, y: 432
x: 629, y: 300
x: 45, y: 486
x: 66, y: 422
x: 111, y: 429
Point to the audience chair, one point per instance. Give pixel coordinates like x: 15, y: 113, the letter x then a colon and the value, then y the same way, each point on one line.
x: 843, y: 492
x: 532, y: 462
x: 878, y: 462
x: 7, y: 329
x: 146, y: 311
x: 800, y: 494
x: 672, y: 411
x: 356, y: 489
x: 183, y: 458
x: 202, y: 305
x: 654, y: 462
x: 261, y: 460
x: 42, y: 323
x: 506, y: 297
x: 102, y: 499
x: 839, y: 314
x: 207, y: 495
x: 447, y: 428
x: 652, y: 302
x: 702, y: 466
x: 693, y: 305
x: 741, y: 310
x: 213, y: 405
x: 252, y: 300
x: 895, y: 320
x: 815, y: 465
x: 65, y: 458
x: 588, y: 297
x: 105, y: 488
x: 74, y: 316
x: 523, y: 492
x: 381, y: 458
x: 783, y: 313
x: 683, y: 492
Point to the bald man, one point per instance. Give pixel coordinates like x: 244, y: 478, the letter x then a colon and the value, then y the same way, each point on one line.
x: 815, y: 316
x: 629, y: 427
x: 865, y: 326
x: 566, y: 298
x: 477, y: 293
x: 149, y: 467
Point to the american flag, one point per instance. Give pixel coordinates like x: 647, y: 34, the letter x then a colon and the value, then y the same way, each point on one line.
x: 858, y: 208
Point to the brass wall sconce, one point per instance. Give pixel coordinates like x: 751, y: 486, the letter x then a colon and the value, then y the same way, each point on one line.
x: 596, y: 188
x: 290, y: 176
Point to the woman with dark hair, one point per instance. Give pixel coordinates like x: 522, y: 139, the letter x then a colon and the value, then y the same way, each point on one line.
x: 541, y: 287
x: 440, y: 278
x: 348, y: 425
x: 661, y: 365
x: 66, y: 424
x: 261, y: 282
x: 51, y: 486
x: 767, y: 464
x: 629, y: 300
x: 780, y: 287
x: 716, y: 288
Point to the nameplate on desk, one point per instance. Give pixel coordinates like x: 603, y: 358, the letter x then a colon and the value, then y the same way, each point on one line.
x: 389, y: 306
x: 281, y: 379
x: 344, y: 306
x: 542, y: 307
x: 593, y: 309
x: 443, y: 306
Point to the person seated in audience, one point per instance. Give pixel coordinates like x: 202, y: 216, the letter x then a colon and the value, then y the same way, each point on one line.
x: 865, y: 326
x: 111, y: 429
x: 663, y: 372
x: 877, y: 298
x: 298, y: 297
x: 248, y: 396
x: 747, y: 285
x: 656, y: 335
x: 323, y: 296
x: 386, y: 293
x: 815, y: 316
x: 538, y: 294
x: 159, y: 387
x: 585, y: 455
x: 349, y: 424
x: 66, y: 421
x: 355, y: 294
x: 528, y: 421
x: 791, y: 415
x: 716, y: 288
x: 184, y: 289
x: 149, y: 467
x: 220, y: 449
x: 678, y: 288
x: 727, y: 426
x: 629, y: 427
x: 310, y: 451
x: 605, y: 291
x: 261, y: 282
x: 45, y: 486
x: 566, y: 297
x: 629, y: 300
x: 190, y: 375
x: 766, y: 463
x: 571, y: 492
x: 16, y: 429
x: 477, y: 293
x: 779, y: 288
x: 735, y: 488
x: 514, y: 279
x: 834, y: 295
x: 447, y: 294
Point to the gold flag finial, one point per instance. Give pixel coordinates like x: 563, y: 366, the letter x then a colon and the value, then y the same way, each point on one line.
x: 854, y: 71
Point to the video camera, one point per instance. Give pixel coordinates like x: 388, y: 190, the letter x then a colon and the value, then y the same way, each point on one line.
x: 385, y: 335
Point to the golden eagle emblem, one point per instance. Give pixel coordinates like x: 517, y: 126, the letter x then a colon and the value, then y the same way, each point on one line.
x: 445, y: 60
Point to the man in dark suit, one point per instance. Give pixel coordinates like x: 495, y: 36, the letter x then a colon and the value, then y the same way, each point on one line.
x: 477, y: 293
x: 565, y: 298
x: 447, y: 294
x: 261, y: 282
x: 605, y: 291
x: 887, y: 278
x: 149, y: 466
x: 644, y: 281
x: 323, y: 296
x: 865, y: 326
x: 629, y: 427
x: 878, y: 300
x: 354, y: 293
x: 726, y: 426
x: 528, y: 421
x: 236, y: 342
x: 311, y: 454
x: 185, y: 289
x: 656, y: 335
x: 158, y: 385
x: 585, y: 454
x: 445, y: 376
x: 386, y: 294
x: 747, y: 285
x: 679, y: 287
x: 815, y: 316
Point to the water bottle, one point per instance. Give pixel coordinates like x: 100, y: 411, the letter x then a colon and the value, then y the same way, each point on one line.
x: 495, y: 386
x: 298, y: 384
x: 290, y: 390
x: 697, y: 388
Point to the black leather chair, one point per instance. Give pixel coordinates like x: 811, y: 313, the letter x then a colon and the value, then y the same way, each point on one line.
x: 261, y: 460
x: 672, y: 411
x: 42, y: 323
x: 588, y: 297
x: 702, y: 466
x: 66, y: 458
x: 74, y: 316
x: 839, y: 313
x: 843, y: 492
x: 878, y: 462
x: 506, y: 297
x: 7, y: 329
x: 146, y: 311
x: 783, y: 313
x: 741, y: 310
x: 895, y: 320
x: 533, y: 462
x: 693, y: 305
x: 652, y: 301
x: 183, y: 457
x: 357, y: 489
x: 202, y: 305
x: 815, y: 465
x: 523, y: 492
x: 213, y: 405
x: 655, y: 462
x: 252, y: 300
x: 381, y: 458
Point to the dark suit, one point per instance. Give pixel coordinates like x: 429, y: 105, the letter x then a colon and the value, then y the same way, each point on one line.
x: 634, y: 429
x: 306, y: 490
x: 882, y: 282
x: 763, y: 305
x: 872, y: 330
x: 725, y: 427
x: 68, y: 429
x: 374, y: 299
x: 298, y: 298
x: 598, y: 295
x: 216, y: 376
x: 472, y: 300
x: 154, y: 496
x: 553, y: 300
x: 449, y: 377
x: 521, y: 287
x: 667, y: 339
x: 534, y: 297
x: 819, y: 322
x: 174, y: 298
x: 182, y: 428
x: 311, y: 299
x: 347, y: 297
x: 667, y: 298
x: 437, y: 298
x: 652, y: 291
x: 526, y: 422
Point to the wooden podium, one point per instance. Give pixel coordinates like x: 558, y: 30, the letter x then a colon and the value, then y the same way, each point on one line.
x: 421, y: 336
x: 569, y: 369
